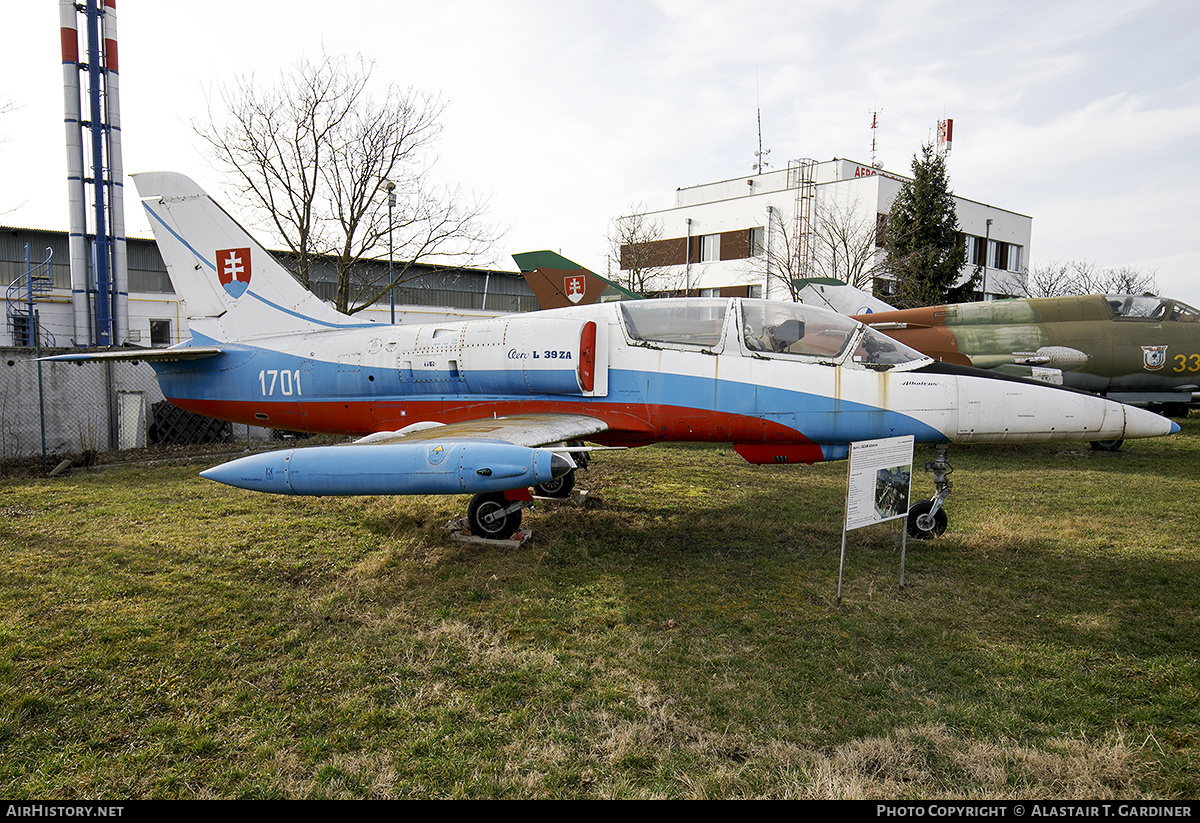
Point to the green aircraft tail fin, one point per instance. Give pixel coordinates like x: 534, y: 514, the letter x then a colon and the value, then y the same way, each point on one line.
x: 557, y: 282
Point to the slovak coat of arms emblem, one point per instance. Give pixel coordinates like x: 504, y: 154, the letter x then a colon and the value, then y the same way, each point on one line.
x: 233, y: 270
x: 575, y: 285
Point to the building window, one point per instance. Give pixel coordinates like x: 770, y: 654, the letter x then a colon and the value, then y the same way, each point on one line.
x: 1014, y: 258
x: 976, y: 250
x: 757, y: 241
x: 160, y: 333
x: 710, y: 248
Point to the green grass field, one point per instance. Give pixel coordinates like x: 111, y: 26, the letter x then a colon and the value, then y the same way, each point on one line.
x: 163, y: 636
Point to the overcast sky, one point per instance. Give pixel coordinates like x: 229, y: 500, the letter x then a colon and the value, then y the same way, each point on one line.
x: 1083, y: 114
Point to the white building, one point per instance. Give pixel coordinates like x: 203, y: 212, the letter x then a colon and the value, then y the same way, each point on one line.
x: 735, y: 237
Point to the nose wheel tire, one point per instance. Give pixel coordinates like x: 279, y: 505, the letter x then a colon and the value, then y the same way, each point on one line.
x: 922, y: 526
x: 558, y: 487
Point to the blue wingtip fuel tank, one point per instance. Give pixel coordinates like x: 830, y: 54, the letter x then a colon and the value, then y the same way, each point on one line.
x: 424, y: 467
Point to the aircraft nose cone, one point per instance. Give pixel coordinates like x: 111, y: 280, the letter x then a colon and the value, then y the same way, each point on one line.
x: 1142, y: 423
x: 560, y: 464
x: 259, y: 472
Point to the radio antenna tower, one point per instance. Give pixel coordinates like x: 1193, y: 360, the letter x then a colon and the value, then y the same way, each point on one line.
x: 874, y: 133
x: 760, y: 156
x: 761, y: 163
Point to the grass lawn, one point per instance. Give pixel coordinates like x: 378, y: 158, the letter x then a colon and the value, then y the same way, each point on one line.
x: 163, y: 636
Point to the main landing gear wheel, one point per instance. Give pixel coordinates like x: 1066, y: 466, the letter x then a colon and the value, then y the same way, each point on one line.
x: 921, y: 524
x: 559, y: 487
x: 1106, y: 445
x: 493, y: 516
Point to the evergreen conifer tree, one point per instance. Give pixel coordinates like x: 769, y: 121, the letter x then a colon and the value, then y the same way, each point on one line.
x: 925, y: 253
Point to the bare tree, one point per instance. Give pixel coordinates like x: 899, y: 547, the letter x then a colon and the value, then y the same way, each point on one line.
x: 6, y: 107
x: 840, y: 244
x: 1058, y: 278
x: 314, y: 153
x: 643, y: 261
x: 845, y: 246
x: 784, y: 258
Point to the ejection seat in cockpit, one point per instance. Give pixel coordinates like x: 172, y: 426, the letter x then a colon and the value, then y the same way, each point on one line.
x: 787, y: 334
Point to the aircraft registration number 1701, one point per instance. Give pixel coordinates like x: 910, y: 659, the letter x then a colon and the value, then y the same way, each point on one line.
x: 288, y: 382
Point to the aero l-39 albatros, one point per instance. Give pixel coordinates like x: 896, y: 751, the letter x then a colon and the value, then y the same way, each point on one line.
x: 495, y: 406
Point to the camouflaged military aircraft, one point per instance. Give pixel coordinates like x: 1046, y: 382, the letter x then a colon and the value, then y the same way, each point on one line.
x: 1139, y: 350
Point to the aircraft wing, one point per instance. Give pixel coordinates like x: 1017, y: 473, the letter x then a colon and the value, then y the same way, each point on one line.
x: 840, y: 297
x: 529, y: 430
x: 149, y: 355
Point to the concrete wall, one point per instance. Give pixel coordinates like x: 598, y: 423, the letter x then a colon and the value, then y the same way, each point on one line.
x: 83, y: 407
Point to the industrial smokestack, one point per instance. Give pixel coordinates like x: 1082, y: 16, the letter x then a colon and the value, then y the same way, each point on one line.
x: 72, y: 120
x: 102, y: 269
x: 116, y: 176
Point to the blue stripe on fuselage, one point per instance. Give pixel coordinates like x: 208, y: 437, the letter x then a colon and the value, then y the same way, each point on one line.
x: 247, y: 373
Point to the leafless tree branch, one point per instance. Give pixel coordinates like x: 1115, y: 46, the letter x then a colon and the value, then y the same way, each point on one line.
x: 1058, y: 278
x: 313, y: 154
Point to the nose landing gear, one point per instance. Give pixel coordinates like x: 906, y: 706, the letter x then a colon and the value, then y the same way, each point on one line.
x: 926, y: 519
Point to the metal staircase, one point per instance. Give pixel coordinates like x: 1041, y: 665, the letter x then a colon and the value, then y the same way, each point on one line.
x: 23, y: 293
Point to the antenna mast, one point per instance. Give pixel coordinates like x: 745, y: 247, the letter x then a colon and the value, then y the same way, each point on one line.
x: 760, y: 156
x: 874, y: 132
x: 761, y: 162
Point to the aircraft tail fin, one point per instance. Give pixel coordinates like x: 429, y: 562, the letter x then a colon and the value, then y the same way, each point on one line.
x: 841, y: 297
x: 232, y: 287
x: 557, y: 282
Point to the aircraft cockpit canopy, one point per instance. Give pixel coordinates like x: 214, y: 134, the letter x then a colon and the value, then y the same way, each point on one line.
x: 1149, y: 307
x: 1183, y: 312
x: 794, y: 328
x: 769, y: 328
x: 679, y: 321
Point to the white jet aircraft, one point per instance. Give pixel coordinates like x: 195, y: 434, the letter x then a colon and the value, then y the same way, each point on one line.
x: 492, y: 407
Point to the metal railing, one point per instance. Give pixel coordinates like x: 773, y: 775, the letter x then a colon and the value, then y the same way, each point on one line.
x: 23, y: 322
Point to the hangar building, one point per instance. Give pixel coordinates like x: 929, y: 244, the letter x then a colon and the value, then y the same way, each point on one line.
x: 157, y: 318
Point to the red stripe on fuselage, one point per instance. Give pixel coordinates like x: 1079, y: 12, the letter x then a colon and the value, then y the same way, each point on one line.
x: 630, y: 424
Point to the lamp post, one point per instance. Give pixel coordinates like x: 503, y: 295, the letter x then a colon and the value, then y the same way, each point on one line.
x: 987, y: 242
x: 391, y: 190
